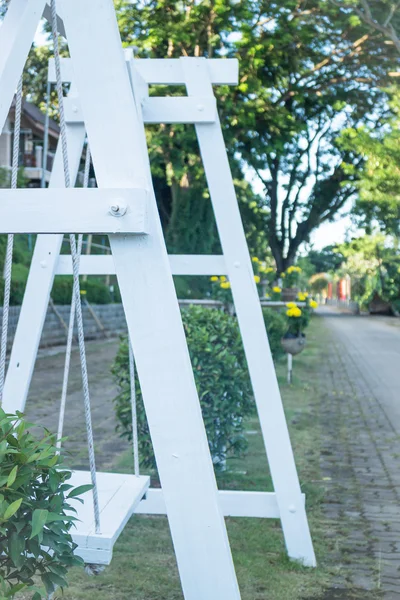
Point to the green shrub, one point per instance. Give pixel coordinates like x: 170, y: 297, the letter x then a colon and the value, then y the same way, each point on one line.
x: 276, y: 326
x: 96, y: 291
x: 222, y: 380
x: 18, y: 284
x: 35, y: 540
x: 62, y: 290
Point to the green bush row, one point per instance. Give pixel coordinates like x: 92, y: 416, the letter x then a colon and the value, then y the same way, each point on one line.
x: 96, y: 291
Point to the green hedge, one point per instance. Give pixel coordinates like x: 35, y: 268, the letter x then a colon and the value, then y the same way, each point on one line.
x: 222, y: 380
x: 96, y: 291
x: 276, y: 326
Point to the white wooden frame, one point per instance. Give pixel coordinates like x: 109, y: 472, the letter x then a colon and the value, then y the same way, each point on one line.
x: 116, y: 135
x: 189, y: 495
x: 99, y: 210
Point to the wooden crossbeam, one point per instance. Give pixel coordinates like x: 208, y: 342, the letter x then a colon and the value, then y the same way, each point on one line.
x: 262, y: 505
x: 160, y: 110
x: 74, y: 210
x: 181, y: 264
x: 165, y: 71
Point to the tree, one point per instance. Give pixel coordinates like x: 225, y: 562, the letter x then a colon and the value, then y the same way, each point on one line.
x: 381, y: 15
x: 373, y: 263
x: 379, y: 180
x: 325, y: 260
x: 310, y: 71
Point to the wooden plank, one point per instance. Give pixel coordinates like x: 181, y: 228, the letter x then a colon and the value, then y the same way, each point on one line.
x: 181, y: 264
x: 156, y: 109
x: 38, y: 287
x: 165, y: 71
x: 118, y: 145
x: 261, y: 505
x: 119, y: 496
x: 179, y: 110
x: 74, y: 210
x: 252, y: 327
x: 17, y: 33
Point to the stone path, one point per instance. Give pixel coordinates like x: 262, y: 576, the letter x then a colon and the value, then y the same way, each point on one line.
x: 44, y: 402
x: 360, y: 370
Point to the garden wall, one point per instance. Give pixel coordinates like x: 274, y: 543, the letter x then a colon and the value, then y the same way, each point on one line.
x: 100, y: 320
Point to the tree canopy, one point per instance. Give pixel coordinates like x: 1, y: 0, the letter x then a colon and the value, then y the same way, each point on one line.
x: 379, y: 180
x: 308, y: 70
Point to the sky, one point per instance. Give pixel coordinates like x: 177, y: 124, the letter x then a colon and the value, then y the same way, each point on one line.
x: 331, y: 233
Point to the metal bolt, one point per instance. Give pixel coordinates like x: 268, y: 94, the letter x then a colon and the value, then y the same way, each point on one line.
x: 118, y: 209
x: 43, y: 264
x: 200, y: 107
x: 74, y: 108
x: 236, y: 264
x: 292, y: 508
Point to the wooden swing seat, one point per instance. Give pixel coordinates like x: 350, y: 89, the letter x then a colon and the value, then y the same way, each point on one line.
x: 119, y: 495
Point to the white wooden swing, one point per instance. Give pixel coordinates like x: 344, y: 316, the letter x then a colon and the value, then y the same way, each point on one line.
x: 112, y: 106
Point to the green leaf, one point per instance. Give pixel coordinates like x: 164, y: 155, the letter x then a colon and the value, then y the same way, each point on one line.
x: 16, y: 547
x: 82, y: 489
x: 12, y: 476
x: 49, y: 585
x: 56, y: 517
x: 57, y: 580
x: 53, y: 481
x: 38, y: 521
x: 37, y: 596
x: 12, y: 509
x: 14, y: 589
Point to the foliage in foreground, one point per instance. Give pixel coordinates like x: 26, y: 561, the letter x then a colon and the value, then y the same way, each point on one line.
x: 222, y: 380
x: 35, y: 539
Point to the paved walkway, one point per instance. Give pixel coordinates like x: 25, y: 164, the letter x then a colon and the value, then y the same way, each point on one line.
x: 361, y: 449
x: 43, y: 403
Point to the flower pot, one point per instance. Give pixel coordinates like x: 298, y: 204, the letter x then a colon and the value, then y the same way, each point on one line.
x: 289, y: 294
x: 293, y: 344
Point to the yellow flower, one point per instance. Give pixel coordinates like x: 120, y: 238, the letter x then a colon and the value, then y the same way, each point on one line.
x: 294, y: 312
x: 267, y: 296
x: 214, y: 278
x: 283, y: 275
x: 255, y: 259
x: 291, y: 304
x: 276, y: 289
x: 257, y: 278
x: 301, y: 296
x: 83, y: 292
x: 262, y: 268
x: 222, y: 278
x: 313, y: 304
x: 268, y: 270
x: 225, y: 285
x: 289, y: 270
x: 305, y: 294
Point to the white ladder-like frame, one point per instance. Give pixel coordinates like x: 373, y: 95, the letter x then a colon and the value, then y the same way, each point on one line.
x: 177, y: 110
x: 116, y: 134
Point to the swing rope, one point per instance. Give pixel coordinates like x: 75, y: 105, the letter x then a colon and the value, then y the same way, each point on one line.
x: 10, y: 241
x: 71, y: 324
x: 75, y: 268
x: 135, y: 442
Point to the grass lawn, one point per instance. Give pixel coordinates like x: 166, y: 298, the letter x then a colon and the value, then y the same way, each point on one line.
x: 144, y: 567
